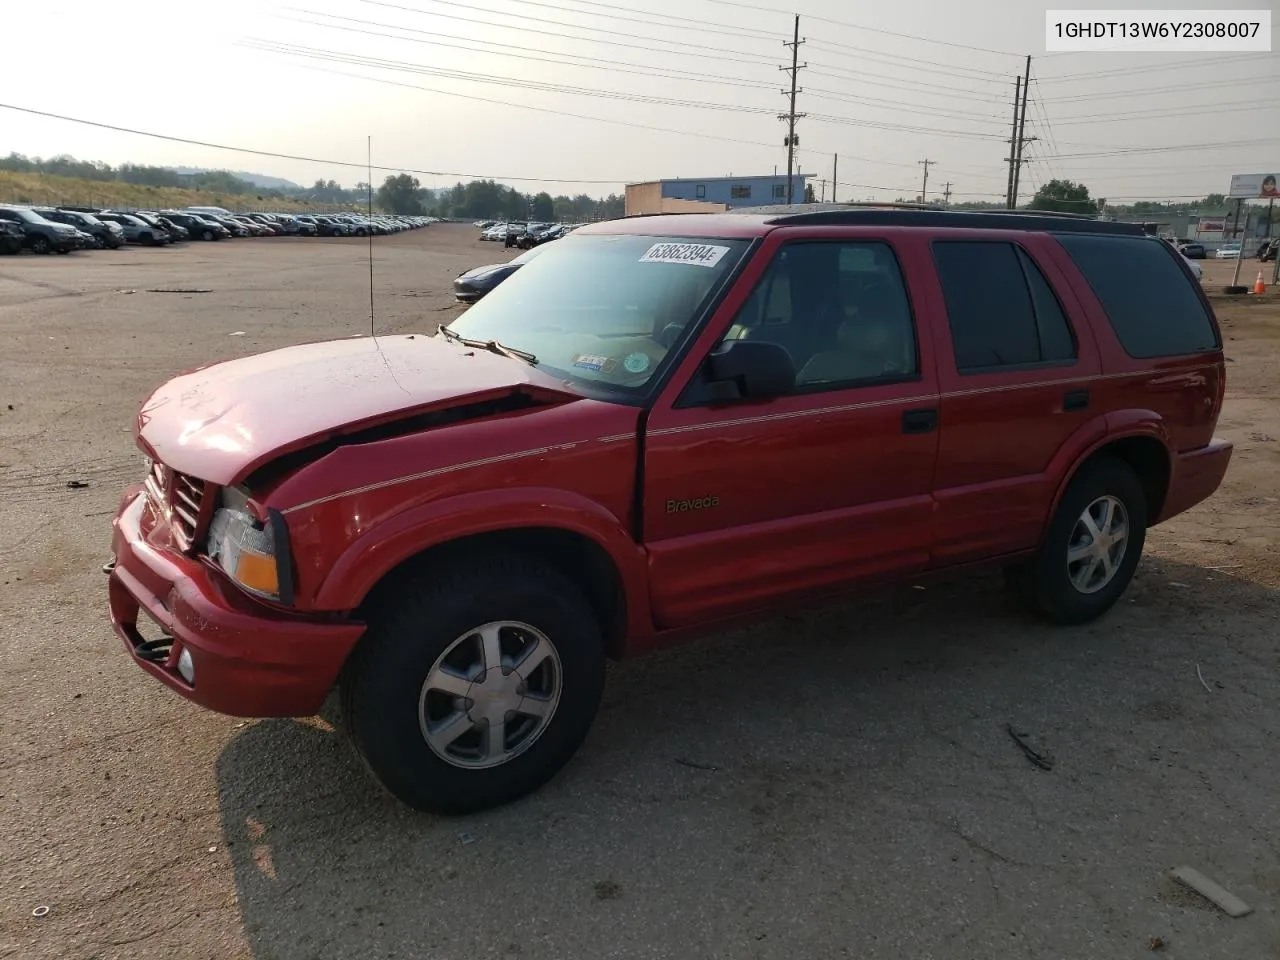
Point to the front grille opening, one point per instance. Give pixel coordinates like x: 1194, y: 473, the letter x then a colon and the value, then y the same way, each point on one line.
x: 181, y: 498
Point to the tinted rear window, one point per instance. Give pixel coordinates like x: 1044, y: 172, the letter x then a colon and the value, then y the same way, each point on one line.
x: 1148, y: 297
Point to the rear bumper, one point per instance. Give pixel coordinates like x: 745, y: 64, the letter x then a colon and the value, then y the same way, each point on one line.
x: 250, y: 660
x: 1195, y: 476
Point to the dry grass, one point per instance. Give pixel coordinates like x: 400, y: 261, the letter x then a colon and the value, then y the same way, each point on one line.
x: 43, y: 189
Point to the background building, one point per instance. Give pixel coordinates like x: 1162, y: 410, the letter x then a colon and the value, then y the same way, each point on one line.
x: 711, y: 194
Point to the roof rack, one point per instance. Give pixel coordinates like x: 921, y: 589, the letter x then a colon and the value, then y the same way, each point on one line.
x: 1046, y: 221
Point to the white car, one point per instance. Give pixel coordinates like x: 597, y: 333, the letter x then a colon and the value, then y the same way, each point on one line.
x: 1230, y: 252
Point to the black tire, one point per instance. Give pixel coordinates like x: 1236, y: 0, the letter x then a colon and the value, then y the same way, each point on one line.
x: 40, y: 244
x: 98, y: 242
x: 206, y: 235
x: 1044, y: 583
x: 412, y: 623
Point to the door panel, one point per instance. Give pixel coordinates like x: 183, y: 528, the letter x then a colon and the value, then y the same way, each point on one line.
x: 749, y: 503
x: 1000, y: 430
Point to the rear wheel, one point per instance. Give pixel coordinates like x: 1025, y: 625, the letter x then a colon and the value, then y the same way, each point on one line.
x: 1092, y: 547
x: 474, y: 684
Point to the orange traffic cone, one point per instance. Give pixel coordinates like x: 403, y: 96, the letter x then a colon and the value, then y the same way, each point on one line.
x: 1259, y: 286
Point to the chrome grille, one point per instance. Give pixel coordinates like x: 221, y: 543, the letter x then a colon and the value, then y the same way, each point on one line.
x: 180, y: 498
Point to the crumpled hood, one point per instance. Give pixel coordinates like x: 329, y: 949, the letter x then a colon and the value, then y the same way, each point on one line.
x: 223, y: 421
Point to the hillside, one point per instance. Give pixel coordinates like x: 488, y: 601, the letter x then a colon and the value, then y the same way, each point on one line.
x: 40, y: 188
x: 259, y: 180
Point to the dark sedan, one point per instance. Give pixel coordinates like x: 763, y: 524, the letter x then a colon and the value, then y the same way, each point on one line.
x: 475, y: 283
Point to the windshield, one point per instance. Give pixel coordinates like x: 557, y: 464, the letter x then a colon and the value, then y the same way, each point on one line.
x: 28, y: 215
x: 604, y: 310
x: 529, y: 255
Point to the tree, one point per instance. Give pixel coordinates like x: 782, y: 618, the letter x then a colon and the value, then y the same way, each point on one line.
x: 399, y: 194
x: 1063, y: 196
x: 543, y: 207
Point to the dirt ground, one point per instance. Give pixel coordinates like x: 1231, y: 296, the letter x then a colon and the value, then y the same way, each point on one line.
x: 835, y: 784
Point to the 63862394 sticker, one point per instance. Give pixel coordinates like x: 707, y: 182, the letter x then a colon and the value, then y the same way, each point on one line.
x: 696, y: 254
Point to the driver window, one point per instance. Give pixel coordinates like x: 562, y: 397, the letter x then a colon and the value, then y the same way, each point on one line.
x: 840, y: 309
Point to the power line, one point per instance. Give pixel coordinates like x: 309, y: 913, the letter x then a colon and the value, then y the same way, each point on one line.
x: 1186, y: 147
x: 766, y: 34
x: 1230, y: 106
x: 876, y: 56
x: 696, y: 25
x: 596, y: 63
x: 334, y: 56
x: 1152, y: 68
x: 858, y: 26
x: 1145, y: 91
x: 949, y: 92
x: 896, y: 105
x: 695, y: 49
x: 291, y: 156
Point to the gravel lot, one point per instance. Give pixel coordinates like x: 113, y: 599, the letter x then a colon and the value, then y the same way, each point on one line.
x: 835, y: 784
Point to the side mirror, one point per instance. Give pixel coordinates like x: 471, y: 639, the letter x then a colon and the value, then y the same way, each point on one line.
x: 750, y: 369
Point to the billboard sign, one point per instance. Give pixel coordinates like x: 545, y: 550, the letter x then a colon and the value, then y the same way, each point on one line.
x: 1254, y: 186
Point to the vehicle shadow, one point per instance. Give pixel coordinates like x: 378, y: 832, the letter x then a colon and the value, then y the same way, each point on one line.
x: 837, y: 783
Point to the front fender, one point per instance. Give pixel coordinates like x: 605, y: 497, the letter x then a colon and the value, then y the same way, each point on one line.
x: 379, y: 550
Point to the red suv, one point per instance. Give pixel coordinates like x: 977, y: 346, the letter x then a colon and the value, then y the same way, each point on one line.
x: 659, y: 426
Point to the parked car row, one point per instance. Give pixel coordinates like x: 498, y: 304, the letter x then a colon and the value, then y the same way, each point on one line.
x: 470, y: 286
x: 522, y: 234
x: 64, y: 229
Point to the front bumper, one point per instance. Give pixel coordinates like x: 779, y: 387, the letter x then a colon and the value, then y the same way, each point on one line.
x: 251, y: 660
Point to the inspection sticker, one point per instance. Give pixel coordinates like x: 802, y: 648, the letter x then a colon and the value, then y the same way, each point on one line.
x: 597, y: 364
x: 698, y: 254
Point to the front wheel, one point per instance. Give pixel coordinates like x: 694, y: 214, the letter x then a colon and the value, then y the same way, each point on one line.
x: 1092, y: 547
x: 474, y: 684
x: 39, y: 244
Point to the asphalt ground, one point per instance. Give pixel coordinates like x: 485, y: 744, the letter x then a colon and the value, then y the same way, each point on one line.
x: 838, y: 783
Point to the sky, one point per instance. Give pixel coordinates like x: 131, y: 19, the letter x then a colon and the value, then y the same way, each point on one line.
x: 584, y: 96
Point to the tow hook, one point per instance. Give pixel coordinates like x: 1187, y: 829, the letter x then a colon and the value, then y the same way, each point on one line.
x: 109, y: 566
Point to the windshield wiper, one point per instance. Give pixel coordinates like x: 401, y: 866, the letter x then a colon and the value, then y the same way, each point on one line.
x: 493, y: 346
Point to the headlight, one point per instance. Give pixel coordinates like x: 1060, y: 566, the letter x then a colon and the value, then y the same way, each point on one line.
x: 248, y: 550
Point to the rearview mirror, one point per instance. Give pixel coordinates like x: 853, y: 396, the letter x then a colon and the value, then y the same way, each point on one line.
x: 755, y: 369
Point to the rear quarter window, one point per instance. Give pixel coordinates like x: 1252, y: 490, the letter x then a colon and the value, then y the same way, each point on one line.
x: 1151, y: 302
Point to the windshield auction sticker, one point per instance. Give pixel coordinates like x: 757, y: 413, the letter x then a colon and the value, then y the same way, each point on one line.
x: 698, y: 254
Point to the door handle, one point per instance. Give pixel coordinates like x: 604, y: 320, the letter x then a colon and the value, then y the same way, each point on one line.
x: 919, y: 421
x: 1075, y: 400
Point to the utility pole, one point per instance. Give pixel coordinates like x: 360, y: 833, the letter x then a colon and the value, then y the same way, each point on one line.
x: 1013, y: 143
x: 791, y: 116
x: 835, y: 162
x: 822, y: 197
x: 1022, y: 127
x: 924, y: 186
x: 946, y: 194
